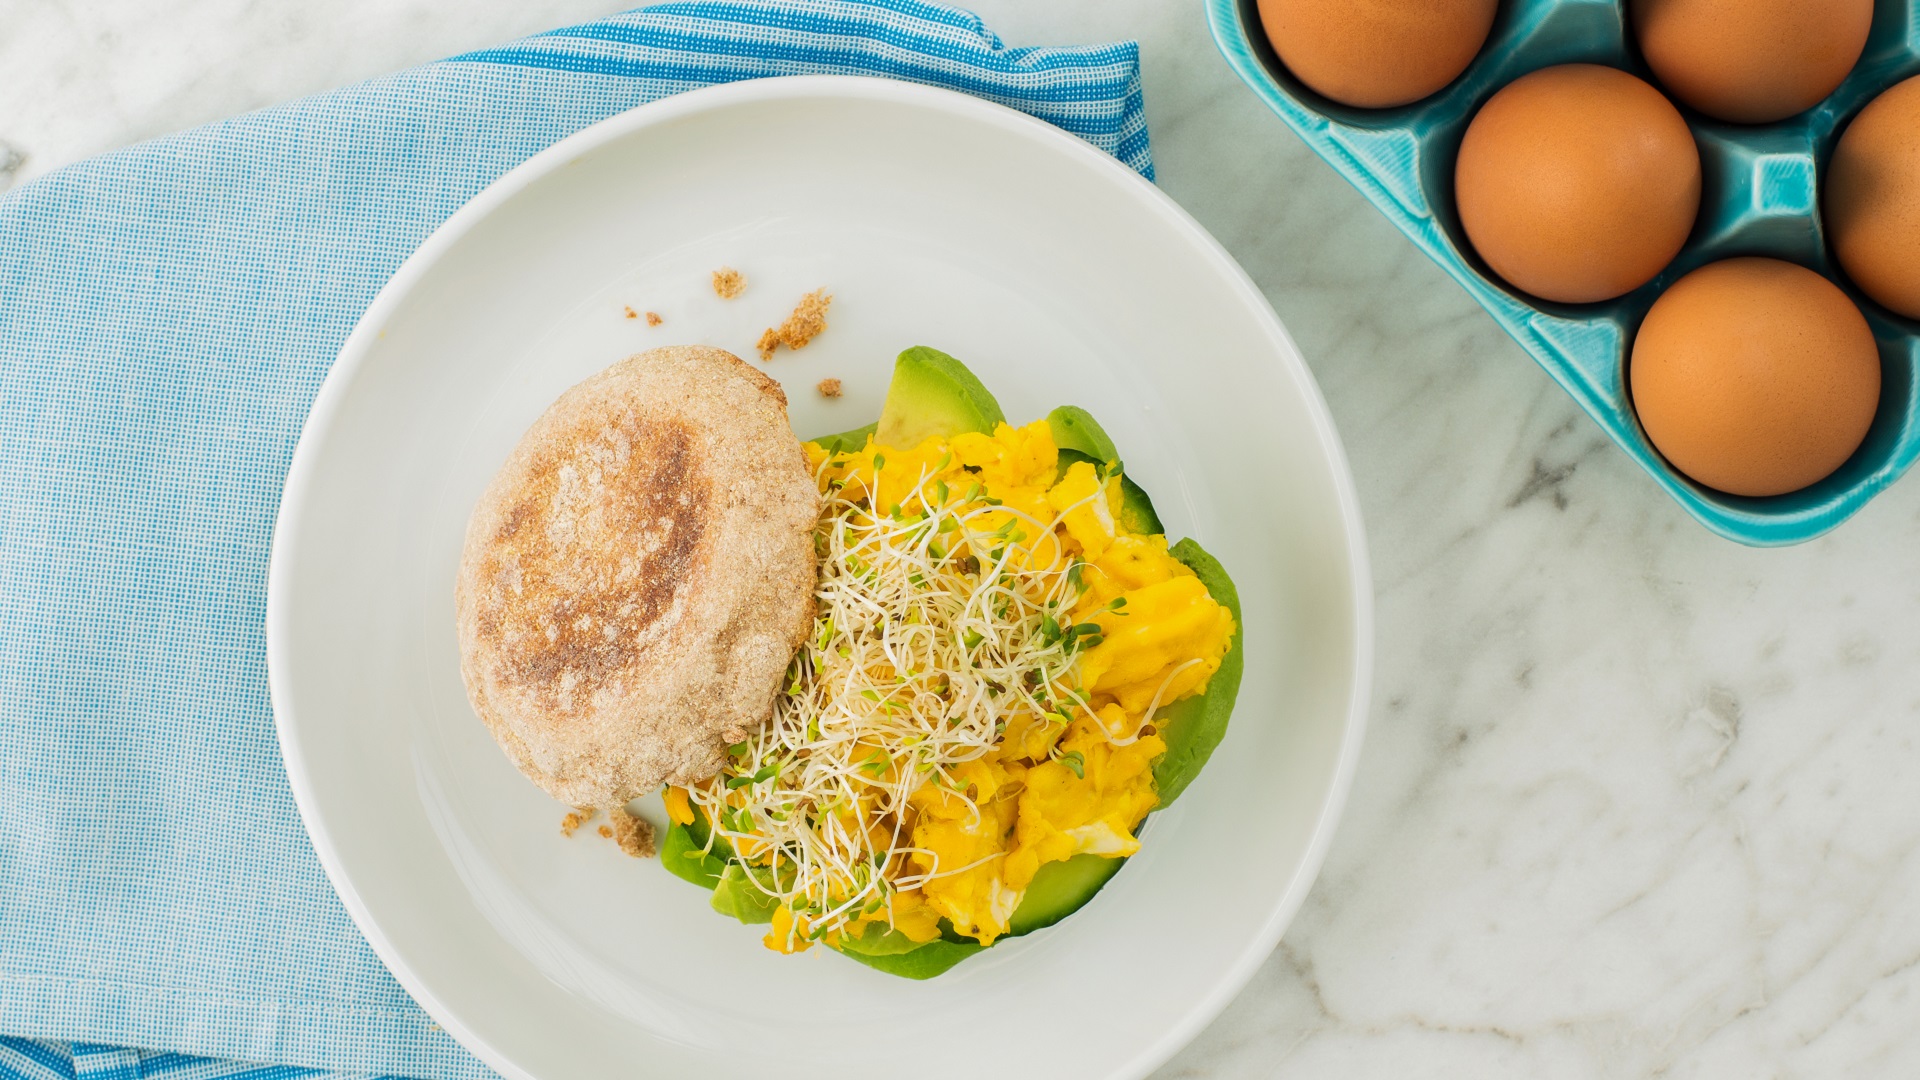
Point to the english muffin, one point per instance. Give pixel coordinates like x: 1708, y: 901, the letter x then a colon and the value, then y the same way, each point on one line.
x: 638, y: 575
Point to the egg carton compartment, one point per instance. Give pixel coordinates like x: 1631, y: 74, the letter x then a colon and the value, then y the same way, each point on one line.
x: 1760, y: 195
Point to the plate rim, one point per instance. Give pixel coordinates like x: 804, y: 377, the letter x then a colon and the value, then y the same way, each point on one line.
x: 398, y: 287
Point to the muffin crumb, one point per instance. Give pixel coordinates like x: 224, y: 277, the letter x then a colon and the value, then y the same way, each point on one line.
x: 606, y: 833
x: 808, y: 321
x: 574, y: 819
x: 654, y: 319
x: 633, y: 833
x: 728, y: 282
x: 829, y: 387
x: 631, y: 314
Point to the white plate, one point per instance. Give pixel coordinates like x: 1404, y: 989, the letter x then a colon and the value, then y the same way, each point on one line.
x: 1058, y: 276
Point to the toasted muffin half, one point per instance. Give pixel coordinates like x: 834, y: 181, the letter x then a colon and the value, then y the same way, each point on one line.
x: 638, y: 575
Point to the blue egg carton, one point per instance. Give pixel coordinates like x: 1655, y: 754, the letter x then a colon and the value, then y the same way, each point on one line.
x: 1760, y: 196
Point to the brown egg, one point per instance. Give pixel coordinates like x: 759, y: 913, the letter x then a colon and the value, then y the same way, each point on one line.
x: 1577, y: 183
x: 1755, y: 376
x: 1873, y: 199
x: 1751, y: 61
x: 1376, y: 53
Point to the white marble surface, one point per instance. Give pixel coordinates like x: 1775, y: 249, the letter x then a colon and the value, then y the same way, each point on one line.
x: 1636, y: 802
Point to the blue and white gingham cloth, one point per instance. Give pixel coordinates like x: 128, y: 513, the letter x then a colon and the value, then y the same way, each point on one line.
x: 167, y: 313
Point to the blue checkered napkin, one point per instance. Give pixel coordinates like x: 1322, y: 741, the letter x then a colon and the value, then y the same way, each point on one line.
x: 166, y: 315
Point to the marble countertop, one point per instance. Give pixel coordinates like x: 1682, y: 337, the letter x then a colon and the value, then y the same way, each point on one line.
x: 1635, y: 802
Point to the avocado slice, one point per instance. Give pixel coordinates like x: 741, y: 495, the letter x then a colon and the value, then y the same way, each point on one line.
x: 1081, y: 438
x: 923, y: 962
x: 1193, y: 727
x: 932, y: 394
x: 1074, y: 428
x: 684, y: 854
x: 1136, y: 510
x: 1059, y: 889
x: 737, y: 896
x: 847, y: 441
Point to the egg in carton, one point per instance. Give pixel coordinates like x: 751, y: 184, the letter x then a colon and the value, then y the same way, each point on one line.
x: 1761, y: 195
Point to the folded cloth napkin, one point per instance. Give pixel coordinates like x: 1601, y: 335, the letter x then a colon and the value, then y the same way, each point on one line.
x: 167, y: 313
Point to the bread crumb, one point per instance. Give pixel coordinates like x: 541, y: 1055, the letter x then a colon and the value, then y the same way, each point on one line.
x: 654, y: 319
x: 829, y: 387
x: 606, y: 833
x: 634, y: 834
x: 728, y: 282
x: 808, y: 321
x: 574, y: 819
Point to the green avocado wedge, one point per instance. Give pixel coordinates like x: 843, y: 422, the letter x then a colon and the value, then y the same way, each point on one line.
x: 932, y: 394
x: 1080, y: 437
x: 1074, y: 428
x: 683, y: 854
x: 846, y: 442
x: 1059, y: 889
x: 735, y: 895
x: 1136, y: 513
x: 1136, y: 510
x: 1193, y: 727
x: 924, y: 962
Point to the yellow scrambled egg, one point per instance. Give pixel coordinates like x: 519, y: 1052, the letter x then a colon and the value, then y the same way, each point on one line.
x: 1052, y: 788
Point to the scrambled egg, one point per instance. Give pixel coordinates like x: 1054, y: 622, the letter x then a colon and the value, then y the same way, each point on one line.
x: 1051, y: 791
x: 1059, y: 784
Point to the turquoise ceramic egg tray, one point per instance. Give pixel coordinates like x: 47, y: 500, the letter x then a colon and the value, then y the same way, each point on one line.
x: 1760, y: 196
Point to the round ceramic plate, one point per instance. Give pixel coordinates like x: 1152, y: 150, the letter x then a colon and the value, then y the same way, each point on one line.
x: 1053, y: 272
